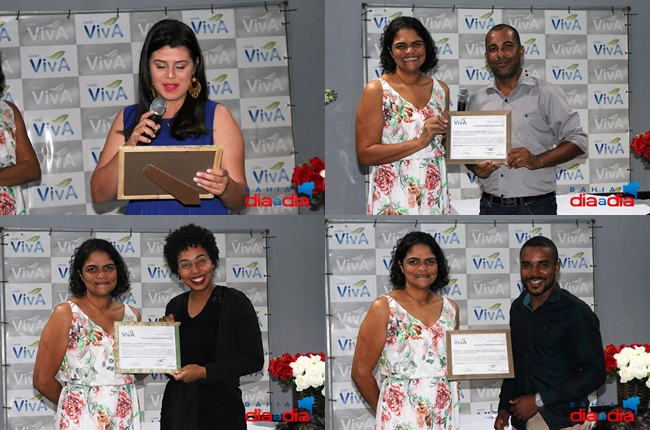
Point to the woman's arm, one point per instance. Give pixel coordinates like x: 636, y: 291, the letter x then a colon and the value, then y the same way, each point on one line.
x: 27, y: 167
x: 370, y: 343
x: 229, y: 182
x: 369, y: 126
x: 51, y: 351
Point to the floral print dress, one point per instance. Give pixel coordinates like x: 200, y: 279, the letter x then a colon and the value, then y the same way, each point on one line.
x: 416, y: 184
x: 94, y: 397
x: 415, y: 393
x: 11, y: 198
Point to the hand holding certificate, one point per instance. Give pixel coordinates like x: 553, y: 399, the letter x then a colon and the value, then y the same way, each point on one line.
x: 475, y: 136
x: 146, y: 347
x: 479, y: 354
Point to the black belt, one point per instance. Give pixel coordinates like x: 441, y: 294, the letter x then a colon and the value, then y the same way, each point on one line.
x: 515, y: 201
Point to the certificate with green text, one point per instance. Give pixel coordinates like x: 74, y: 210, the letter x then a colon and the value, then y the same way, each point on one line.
x: 146, y: 347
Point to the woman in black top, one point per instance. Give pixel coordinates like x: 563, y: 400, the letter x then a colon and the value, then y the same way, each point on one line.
x: 220, y: 339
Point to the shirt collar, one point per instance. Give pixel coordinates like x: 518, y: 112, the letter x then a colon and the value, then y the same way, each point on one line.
x: 554, y: 297
x: 524, y: 79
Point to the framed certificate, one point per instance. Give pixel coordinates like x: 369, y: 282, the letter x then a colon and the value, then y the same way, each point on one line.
x: 178, y: 163
x: 479, y: 354
x: 475, y: 136
x: 144, y: 347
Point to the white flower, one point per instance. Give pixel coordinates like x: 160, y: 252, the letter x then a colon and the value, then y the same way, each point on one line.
x: 309, y: 372
x: 633, y: 363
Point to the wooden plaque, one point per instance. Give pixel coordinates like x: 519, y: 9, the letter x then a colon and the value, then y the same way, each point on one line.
x: 181, y: 162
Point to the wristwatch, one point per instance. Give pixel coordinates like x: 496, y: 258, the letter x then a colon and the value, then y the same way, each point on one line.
x: 538, y: 401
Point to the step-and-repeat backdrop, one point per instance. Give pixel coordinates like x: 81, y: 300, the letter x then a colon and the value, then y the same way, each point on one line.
x: 585, y: 52
x: 35, y: 279
x: 484, y: 280
x: 71, y: 73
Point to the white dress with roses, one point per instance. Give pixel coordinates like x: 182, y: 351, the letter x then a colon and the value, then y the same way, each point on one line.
x: 11, y: 198
x: 415, y: 392
x: 93, y: 395
x: 416, y: 184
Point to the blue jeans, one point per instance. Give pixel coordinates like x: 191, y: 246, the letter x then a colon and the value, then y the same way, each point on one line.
x: 546, y: 205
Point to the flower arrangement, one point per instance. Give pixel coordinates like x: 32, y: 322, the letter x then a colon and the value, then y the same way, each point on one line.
x: 629, y: 362
x: 311, y: 171
x: 302, y: 371
x: 641, y: 146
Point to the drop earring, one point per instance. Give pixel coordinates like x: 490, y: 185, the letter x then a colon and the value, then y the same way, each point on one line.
x: 153, y: 91
x: 195, y: 88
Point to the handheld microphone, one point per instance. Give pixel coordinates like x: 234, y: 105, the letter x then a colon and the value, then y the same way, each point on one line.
x: 463, y: 97
x: 158, y: 106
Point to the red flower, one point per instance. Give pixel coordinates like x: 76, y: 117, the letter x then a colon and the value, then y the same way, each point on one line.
x: 310, y: 172
x: 393, y: 397
x: 72, y: 406
x: 443, y: 398
x: 6, y: 204
x: 123, y: 408
x: 432, y: 180
x: 384, y: 179
x: 641, y: 146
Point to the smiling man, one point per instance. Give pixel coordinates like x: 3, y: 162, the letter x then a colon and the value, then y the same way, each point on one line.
x: 556, y: 344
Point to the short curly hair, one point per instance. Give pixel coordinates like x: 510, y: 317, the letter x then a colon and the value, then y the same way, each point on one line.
x: 189, y: 236
x: 387, y: 38
x: 77, y: 287
x: 404, y: 245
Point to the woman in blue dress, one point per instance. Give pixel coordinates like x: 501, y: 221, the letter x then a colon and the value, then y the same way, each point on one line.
x: 172, y: 67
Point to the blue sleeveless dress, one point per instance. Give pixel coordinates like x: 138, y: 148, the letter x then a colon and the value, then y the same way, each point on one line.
x: 174, y: 207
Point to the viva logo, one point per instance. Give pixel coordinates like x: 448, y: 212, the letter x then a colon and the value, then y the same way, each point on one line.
x: 33, y: 271
x: 491, y: 262
x: 110, y: 61
x: 110, y: 93
x: 250, y: 271
x: 576, y: 261
x: 571, y: 48
x: 493, y: 313
x: 124, y: 245
x: 220, y: 86
x: 271, y: 144
x: 4, y: 34
x: 268, y: 115
x: 447, y: 237
x: 262, y: 24
x: 530, y: 46
x: 128, y: 333
x: 523, y: 236
x: 613, y: 73
x: 610, y: 123
x: 443, y: 47
x: 382, y: 21
x: 572, y: 173
x: 570, y: 23
x: 127, y: 298
x: 461, y: 341
x: 107, y: 30
x: 357, y: 290
x: 266, y: 84
x: 31, y: 405
x: 216, y: 56
x: 460, y: 121
x: 32, y: 245
x: 55, y: 63
x: 525, y: 22
x: 25, y: 352
x: 483, y: 22
x: 63, y: 191
x: 28, y: 327
x: 479, y: 75
x: 571, y: 73
x: 161, y: 297
x: 55, y: 96
x: 451, y: 289
x: 48, y: 32
x: 611, y: 48
x: 29, y: 299
x: 214, y: 25
x: 579, y: 286
x: 611, y: 98
x: 58, y: 127
x: 351, y: 399
x: 264, y: 55
x: 355, y: 237
x: 275, y: 174
x: 612, y: 147
x: 438, y: 22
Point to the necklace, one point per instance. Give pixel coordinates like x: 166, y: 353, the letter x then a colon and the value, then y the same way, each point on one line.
x: 419, y: 302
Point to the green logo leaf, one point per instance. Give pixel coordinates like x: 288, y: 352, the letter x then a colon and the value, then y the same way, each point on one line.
x: 277, y: 166
x: 114, y: 84
x: 252, y: 265
x: 530, y: 41
x: 571, y: 17
x: 34, y: 345
x: 615, y: 141
x: 357, y: 231
x: 37, y: 397
x: 33, y: 239
x: 60, y: 119
x: 618, y: 189
x: 450, y: 230
x: 216, y: 17
x: 64, y: 183
x: 56, y: 55
x: 453, y: 281
x: 442, y: 41
x: 220, y: 78
x: 572, y: 66
x: 536, y: 230
x: 268, y: 45
x: 486, y: 16
x: 614, y: 91
x: 613, y: 42
x: 111, y: 21
x: 272, y: 106
x: 495, y: 306
x: 495, y: 255
x: 359, y: 283
x: 34, y: 291
x: 125, y: 239
x: 2, y: 23
x: 395, y: 15
x: 574, y: 167
x: 578, y: 255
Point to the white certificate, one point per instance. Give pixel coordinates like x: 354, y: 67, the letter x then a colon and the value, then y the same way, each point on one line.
x: 475, y: 136
x: 144, y: 347
x: 479, y: 354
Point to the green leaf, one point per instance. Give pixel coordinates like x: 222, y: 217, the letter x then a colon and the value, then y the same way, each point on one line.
x: 62, y: 118
x: 495, y: 306
x: 486, y: 16
x: 216, y: 17
x: 614, y: 91
x: 615, y: 140
x: 395, y: 15
x: 111, y: 21
x: 453, y: 281
x: 450, y: 230
x: 56, y: 55
x: 358, y: 230
x: 35, y: 291
x: 571, y: 17
x: 574, y: 167
x: 272, y: 106
x: 2, y: 23
x: 34, y: 345
x: 530, y: 41
x: 33, y: 239
x: 252, y: 265
x: 114, y: 84
x: 268, y: 45
x: 618, y: 189
x: 37, y: 397
x: 442, y: 41
x: 536, y: 230
x: 277, y: 166
x: 578, y: 255
x: 359, y: 283
x: 495, y: 255
x: 220, y: 78
x: 125, y: 239
x: 64, y: 183
x: 614, y: 42
x: 572, y: 66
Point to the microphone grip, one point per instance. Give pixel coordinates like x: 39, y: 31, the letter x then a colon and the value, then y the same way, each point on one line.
x: 157, y: 119
x: 461, y: 106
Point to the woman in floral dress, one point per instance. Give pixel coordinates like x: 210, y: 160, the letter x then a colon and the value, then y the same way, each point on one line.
x: 404, y: 331
x: 400, y: 126
x: 77, y: 344
x: 18, y: 162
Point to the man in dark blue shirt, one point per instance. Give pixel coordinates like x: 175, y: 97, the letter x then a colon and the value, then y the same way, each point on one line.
x: 557, y: 348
